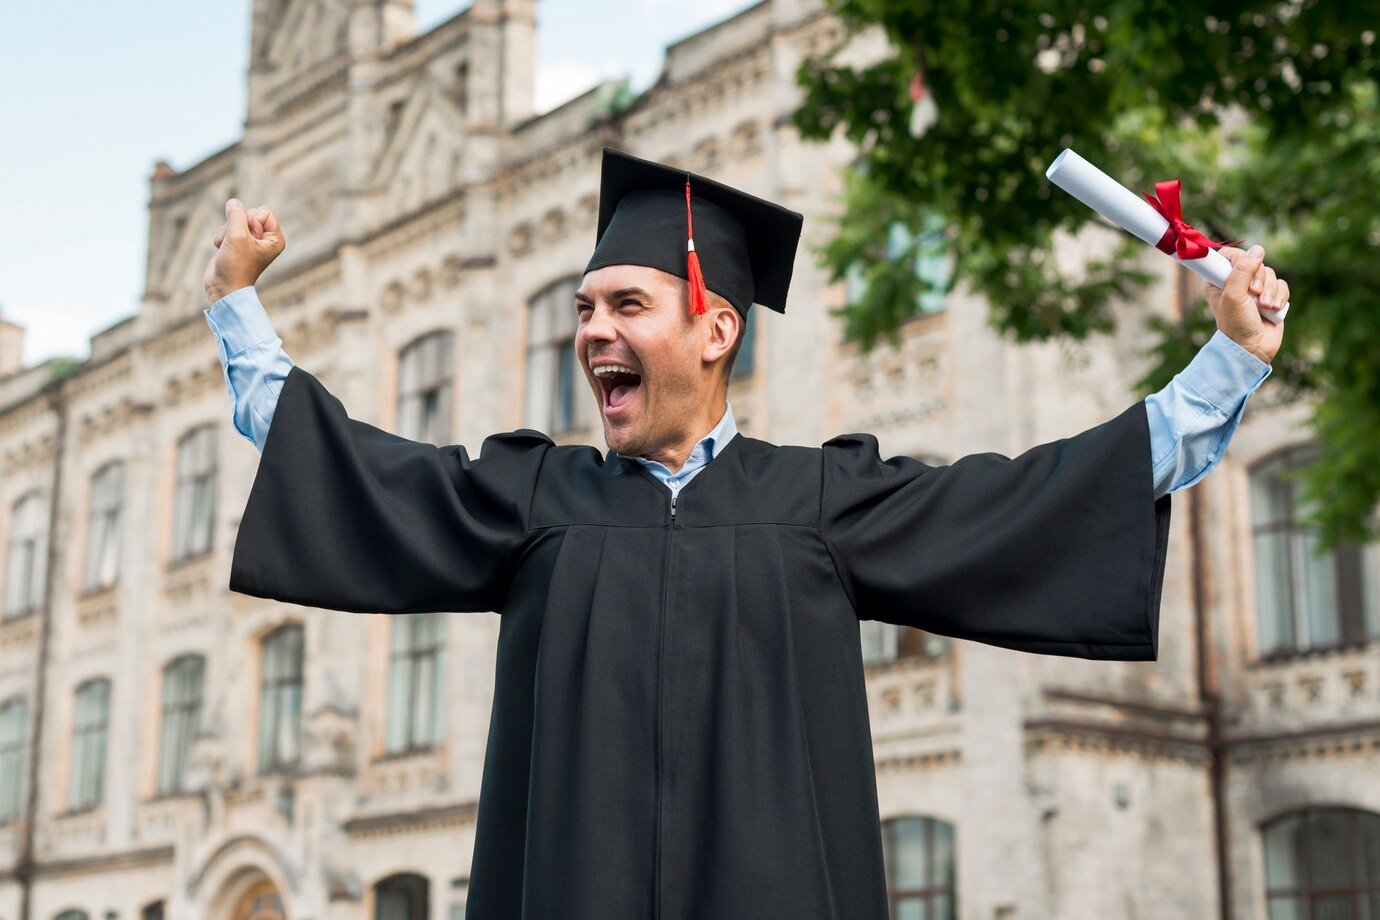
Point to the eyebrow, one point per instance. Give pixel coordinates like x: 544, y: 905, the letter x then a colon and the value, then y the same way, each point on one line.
x: 615, y: 295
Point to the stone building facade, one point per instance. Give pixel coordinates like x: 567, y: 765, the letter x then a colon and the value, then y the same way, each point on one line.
x: 170, y: 749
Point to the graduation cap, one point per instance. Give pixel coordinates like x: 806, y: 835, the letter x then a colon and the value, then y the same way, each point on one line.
x: 718, y: 238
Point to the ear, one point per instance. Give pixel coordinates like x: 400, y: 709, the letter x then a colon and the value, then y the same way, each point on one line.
x: 723, y: 322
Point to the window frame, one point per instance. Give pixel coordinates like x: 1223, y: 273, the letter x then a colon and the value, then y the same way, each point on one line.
x: 1303, y: 893
x: 1352, y: 568
x: 426, y: 379
x: 12, y: 758
x: 195, y: 480
x: 931, y: 892
x: 550, y: 360
x: 415, y: 655
x: 271, y: 737
x: 180, y: 718
x: 28, y: 532
x: 86, y: 770
x: 104, y: 527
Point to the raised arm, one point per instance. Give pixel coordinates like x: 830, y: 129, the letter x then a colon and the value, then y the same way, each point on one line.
x: 1194, y: 417
x: 251, y: 355
x: 252, y: 359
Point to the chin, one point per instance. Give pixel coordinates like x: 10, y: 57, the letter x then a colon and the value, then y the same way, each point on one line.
x: 622, y: 437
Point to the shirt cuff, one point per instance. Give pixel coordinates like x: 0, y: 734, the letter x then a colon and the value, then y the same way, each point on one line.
x: 1224, y: 373
x: 239, y: 321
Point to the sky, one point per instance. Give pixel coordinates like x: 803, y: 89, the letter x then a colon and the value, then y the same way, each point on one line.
x: 94, y: 93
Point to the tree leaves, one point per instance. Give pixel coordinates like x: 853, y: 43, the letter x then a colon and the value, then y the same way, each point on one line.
x: 1266, y: 110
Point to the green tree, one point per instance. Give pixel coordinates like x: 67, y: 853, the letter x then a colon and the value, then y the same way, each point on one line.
x: 1267, y: 110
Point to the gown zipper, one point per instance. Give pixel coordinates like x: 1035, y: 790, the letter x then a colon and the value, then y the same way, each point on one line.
x: 661, y: 656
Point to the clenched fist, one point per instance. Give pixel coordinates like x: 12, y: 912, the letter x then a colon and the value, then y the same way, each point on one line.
x: 1235, y: 312
x: 245, y: 246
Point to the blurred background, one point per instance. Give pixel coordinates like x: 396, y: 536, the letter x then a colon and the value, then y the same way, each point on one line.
x: 170, y: 749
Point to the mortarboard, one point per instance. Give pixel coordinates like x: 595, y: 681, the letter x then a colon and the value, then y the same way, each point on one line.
x: 737, y: 245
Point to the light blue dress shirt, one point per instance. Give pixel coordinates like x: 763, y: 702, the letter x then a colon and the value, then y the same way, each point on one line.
x: 1191, y: 420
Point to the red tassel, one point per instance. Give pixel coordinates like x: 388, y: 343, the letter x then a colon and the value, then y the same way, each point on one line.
x: 698, y: 295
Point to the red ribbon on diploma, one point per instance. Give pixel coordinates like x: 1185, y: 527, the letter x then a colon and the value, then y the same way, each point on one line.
x: 1179, y: 238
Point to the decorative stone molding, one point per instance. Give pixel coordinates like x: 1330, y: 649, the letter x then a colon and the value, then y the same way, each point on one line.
x: 909, y: 696
x: 412, y: 822
x: 188, y: 582
x: 396, y: 775
x: 928, y: 760
x: 106, y: 421
x: 35, y: 452
x: 98, y: 609
x: 106, y: 862
x: 19, y: 631
x: 1052, y: 735
x: 1308, y: 745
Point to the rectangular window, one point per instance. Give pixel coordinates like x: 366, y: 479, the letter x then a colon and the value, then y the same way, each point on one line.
x: 558, y: 397
x: 26, y: 566
x: 103, y: 528
x: 14, y: 717
x: 1305, y: 601
x: 180, y: 720
x: 415, y: 681
x: 194, y: 498
x: 425, y: 372
x: 89, y: 729
x: 280, y: 698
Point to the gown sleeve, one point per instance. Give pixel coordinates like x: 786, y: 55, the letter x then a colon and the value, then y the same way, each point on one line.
x: 1058, y: 551
x: 346, y: 516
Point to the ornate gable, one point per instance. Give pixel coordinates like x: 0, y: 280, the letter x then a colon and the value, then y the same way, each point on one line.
x: 299, y: 34
x: 420, y: 154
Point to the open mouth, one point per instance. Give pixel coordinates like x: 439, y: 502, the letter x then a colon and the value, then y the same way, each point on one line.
x: 619, y: 391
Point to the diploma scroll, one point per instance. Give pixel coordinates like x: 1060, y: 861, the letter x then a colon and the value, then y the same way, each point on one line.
x: 1137, y: 216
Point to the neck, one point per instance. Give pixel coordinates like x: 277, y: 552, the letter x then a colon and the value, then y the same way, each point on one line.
x: 674, y: 455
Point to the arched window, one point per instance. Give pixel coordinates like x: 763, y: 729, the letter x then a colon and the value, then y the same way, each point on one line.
x: 425, y: 372
x: 90, y: 726
x: 14, y: 719
x: 194, y: 503
x: 154, y: 910
x: 180, y: 719
x: 103, y: 527
x: 919, y: 854
x: 559, y: 397
x: 280, y: 697
x: 416, y: 670
x: 28, y: 557
x: 1305, y: 601
x: 1323, y: 862
x: 401, y: 897
x: 71, y: 915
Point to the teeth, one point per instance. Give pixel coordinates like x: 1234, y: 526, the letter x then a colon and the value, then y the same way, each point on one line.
x: 606, y: 369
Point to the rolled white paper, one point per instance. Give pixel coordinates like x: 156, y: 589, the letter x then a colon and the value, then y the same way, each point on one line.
x: 1137, y: 216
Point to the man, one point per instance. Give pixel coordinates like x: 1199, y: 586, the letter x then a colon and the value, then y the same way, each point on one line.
x: 680, y: 725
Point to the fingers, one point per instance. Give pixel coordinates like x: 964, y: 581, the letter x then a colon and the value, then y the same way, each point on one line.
x: 236, y: 220
x: 1243, y: 269
x: 1275, y: 295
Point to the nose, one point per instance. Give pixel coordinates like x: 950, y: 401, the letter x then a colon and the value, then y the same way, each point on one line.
x: 598, y: 328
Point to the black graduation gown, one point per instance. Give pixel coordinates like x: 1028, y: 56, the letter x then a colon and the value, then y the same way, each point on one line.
x: 680, y: 725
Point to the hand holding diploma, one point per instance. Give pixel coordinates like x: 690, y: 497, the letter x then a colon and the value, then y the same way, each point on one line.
x: 1250, y: 309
